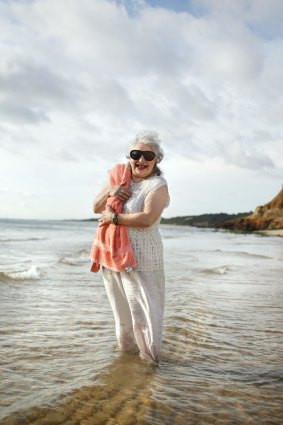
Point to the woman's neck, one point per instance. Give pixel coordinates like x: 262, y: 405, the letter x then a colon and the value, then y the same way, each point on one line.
x: 137, y: 179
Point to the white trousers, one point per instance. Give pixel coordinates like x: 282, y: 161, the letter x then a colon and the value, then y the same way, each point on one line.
x: 137, y: 300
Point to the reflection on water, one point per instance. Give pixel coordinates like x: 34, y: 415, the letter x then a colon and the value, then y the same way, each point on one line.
x: 223, y: 339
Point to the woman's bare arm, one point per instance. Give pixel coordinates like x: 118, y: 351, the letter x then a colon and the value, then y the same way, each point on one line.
x: 153, y: 207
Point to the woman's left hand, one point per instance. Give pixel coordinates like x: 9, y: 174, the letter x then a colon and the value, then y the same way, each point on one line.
x: 106, y: 216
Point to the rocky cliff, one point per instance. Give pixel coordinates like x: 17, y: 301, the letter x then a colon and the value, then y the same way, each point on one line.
x: 265, y: 217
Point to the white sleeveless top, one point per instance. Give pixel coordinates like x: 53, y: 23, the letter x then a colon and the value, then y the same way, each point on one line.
x: 146, y: 241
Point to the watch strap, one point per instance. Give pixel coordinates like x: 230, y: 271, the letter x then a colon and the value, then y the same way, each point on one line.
x: 115, y: 219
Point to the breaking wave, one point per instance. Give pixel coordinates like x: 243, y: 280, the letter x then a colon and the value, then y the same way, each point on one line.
x: 78, y: 258
x: 32, y: 273
x: 217, y: 270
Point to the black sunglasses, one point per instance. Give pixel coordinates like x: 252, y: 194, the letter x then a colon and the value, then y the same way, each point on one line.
x: 136, y: 154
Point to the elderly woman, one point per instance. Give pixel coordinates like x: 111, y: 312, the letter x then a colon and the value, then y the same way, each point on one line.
x: 137, y: 297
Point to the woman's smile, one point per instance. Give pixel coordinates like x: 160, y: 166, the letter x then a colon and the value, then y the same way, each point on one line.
x: 141, y: 167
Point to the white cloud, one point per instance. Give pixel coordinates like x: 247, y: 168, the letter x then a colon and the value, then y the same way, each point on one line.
x: 79, y: 79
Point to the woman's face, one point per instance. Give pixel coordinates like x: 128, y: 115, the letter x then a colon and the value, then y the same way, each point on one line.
x: 141, y: 168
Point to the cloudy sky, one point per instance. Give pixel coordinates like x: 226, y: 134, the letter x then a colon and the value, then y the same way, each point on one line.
x: 79, y: 78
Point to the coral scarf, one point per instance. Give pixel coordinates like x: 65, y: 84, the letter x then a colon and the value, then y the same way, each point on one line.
x: 112, y: 247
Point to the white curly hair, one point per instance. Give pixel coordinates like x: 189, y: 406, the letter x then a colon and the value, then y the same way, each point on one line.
x: 151, y: 138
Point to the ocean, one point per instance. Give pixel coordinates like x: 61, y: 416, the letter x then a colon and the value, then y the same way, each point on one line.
x: 222, y: 352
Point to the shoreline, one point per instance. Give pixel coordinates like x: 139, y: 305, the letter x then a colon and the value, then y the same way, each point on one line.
x: 273, y: 232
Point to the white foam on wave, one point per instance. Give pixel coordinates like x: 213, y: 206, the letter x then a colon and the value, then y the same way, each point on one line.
x: 217, y: 270
x: 21, y: 239
x: 72, y: 261
x: 32, y: 273
x: 244, y: 254
x: 77, y: 259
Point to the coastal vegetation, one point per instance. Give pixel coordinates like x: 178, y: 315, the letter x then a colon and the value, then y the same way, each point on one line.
x: 203, y: 220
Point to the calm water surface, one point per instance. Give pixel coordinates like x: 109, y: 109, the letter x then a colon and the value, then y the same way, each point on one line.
x: 222, y: 358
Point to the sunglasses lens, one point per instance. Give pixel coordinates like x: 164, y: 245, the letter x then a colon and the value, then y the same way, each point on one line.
x: 136, y: 154
x: 148, y: 155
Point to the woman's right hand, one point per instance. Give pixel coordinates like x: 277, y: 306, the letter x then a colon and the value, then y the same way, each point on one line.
x: 120, y: 192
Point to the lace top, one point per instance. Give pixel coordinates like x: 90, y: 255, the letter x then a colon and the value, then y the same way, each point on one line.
x: 146, y: 241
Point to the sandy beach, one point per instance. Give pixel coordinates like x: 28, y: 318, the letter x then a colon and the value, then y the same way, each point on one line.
x: 275, y: 232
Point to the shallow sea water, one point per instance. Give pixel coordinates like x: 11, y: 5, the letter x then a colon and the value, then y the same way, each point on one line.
x: 222, y: 356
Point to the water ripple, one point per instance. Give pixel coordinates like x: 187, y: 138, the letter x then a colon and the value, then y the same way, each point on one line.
x: 222, y: 347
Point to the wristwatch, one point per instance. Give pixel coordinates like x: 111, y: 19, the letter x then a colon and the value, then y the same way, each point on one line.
x: 115, y: 219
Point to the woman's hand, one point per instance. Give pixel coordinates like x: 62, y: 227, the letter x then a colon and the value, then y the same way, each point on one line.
x: 120, y: 192
x: 106, y: 216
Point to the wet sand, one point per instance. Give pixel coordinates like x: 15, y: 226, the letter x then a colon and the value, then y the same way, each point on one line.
x: 123, y: 397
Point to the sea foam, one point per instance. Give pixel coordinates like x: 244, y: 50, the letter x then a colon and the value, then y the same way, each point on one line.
x: 32, y: 273
x: 217, y: 270
x: 78, y: 258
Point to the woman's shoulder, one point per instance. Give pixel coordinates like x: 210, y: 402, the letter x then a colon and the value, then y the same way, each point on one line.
x: 155, y: 182
x: 159, y: 179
